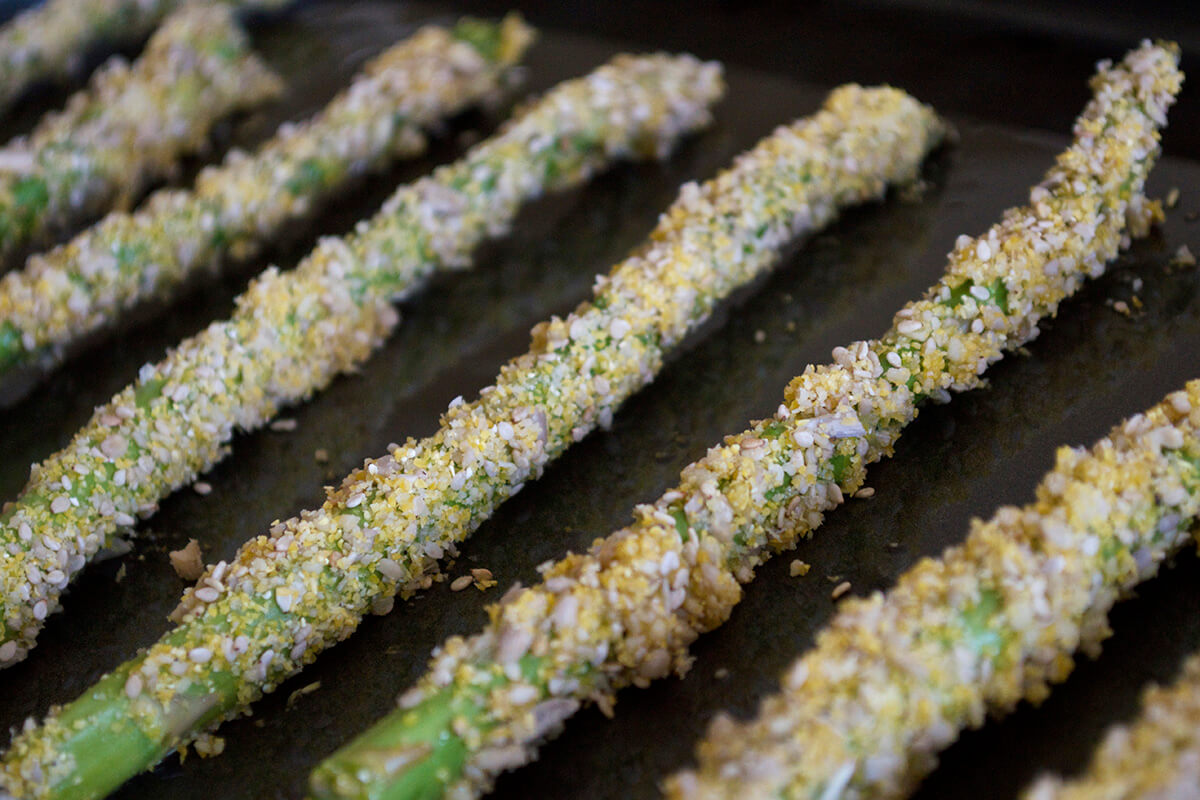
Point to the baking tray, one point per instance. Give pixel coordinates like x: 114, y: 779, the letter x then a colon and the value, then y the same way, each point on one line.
x: 1090, y: 367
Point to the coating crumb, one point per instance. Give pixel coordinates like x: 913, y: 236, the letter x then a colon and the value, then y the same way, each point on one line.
x: 188, y: 562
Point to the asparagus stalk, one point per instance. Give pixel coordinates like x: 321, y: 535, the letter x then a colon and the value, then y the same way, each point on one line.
x: 625, y: 612
x: 248, y: 625
x: 130, y: 125
x: 291, y: 333
x: 895, y: 677
x: 82, y: 286
x: 46, y: 43
x: 995, y: 621
x: 1155, y: 757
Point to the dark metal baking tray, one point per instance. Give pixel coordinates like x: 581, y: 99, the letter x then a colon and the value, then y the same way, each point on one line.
x: 1091, y: 366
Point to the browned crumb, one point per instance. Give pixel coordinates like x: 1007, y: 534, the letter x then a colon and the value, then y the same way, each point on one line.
x: 1172, y: 198
x: 187, y: 561
x: 321, y: 456
x: 1183, y: 257
x: 483, y: 579
x: 798, y: 568
x: 303, y: 690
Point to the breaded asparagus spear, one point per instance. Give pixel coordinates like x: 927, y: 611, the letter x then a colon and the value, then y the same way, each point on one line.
x: 130, y: 125
x: 285, y: 597
x: 47, y: 42
x: 626, y: 611
x: 291, y: 333
x: 895, y: 677
x: 234, y: 208
x: 1154, y: 757
x: 997, y: 620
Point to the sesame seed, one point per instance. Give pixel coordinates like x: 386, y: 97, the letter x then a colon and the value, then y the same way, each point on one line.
x: 200, y: 655
x: 461, y: 582
x: 840, y: 589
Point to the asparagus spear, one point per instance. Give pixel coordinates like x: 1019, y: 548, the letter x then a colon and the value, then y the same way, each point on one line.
x: 285, y: 597
x: 995, y: 621
x: 1154, y: 757
x: 626, y: 612
x: 895, y: 677
x: 130, y: 125
x: 82, y: 286
x: 293, y: 332
x: 47, y: 42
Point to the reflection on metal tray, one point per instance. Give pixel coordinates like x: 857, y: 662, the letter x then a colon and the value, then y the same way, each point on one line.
x: 1090, y: 367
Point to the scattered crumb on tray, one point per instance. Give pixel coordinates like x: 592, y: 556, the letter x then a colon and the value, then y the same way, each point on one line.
x: 187, y: 561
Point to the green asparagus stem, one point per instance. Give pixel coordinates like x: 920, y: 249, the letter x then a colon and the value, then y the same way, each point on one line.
x: 46, y: 43
x: 82, y: 286
x: 625, y: 612
x: 129, y: 126
x: 1154, y: 757
x: 291, y: 335
x: 285, y: 597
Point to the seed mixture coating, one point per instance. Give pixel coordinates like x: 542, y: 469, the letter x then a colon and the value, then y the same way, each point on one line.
x: 304, y: 587
x: 625, y: 612
x: 47, y: 42
x: 793, y: 181
x: 1155, y: 757
x: 130, y: 126
x: 236, y: 207
x: 895, y: 677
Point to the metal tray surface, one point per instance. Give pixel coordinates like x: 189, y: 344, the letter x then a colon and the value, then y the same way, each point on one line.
x: 1090, y: 367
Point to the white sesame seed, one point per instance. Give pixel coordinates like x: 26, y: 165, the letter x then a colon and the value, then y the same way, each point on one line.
x: 200, y: 655
x: 983, y: 250
x: 207, y: 594
x: 133, y: 686
x: 461, y: 583
x: 60, y: 504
